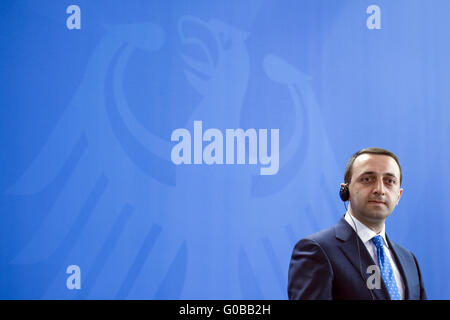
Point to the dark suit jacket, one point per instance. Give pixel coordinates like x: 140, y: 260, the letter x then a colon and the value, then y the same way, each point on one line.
x: 326, y: 265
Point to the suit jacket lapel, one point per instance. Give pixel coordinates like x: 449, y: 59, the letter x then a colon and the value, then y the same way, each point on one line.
x: 349, y: 247
x: 403, y: 266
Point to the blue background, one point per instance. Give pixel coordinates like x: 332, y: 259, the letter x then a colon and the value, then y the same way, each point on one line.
x: 86, y: 117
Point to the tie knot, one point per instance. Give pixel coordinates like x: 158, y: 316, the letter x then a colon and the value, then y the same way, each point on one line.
x: 378, y: 241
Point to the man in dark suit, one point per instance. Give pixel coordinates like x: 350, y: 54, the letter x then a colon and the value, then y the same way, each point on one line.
x: 355, y: 259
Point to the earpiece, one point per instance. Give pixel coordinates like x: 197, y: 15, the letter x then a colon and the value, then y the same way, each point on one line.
x: 344, y: 193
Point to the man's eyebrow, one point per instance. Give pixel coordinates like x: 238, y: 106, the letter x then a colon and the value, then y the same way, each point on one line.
x: 367, y: 172
x: 373, y: 172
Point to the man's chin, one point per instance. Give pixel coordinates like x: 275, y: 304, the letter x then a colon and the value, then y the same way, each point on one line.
x: 376, y: 215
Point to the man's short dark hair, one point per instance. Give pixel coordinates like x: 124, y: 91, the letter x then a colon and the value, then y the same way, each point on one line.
x: 379, y: 151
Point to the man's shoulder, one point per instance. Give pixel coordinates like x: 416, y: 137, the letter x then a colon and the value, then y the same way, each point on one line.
x: 323, y: 238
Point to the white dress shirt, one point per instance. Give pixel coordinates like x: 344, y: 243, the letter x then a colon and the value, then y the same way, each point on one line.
x: 366, y: 234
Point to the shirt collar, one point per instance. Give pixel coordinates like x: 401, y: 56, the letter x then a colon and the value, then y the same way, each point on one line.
x: 364, y: 232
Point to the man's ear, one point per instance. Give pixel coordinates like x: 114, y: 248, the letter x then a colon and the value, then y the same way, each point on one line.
x: 399, y: 195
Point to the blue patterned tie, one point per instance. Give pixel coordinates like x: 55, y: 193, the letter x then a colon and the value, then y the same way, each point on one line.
x: 386, y: 269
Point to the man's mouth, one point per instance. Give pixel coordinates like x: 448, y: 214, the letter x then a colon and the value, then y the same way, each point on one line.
x: 376, y: 201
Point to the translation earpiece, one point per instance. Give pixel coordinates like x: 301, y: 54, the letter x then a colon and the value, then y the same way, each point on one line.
x: 344, y: 193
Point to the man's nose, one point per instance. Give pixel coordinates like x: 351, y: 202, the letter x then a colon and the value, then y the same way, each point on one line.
x: 379, y: 187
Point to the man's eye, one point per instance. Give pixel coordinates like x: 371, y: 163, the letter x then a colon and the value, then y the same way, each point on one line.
x: 365, y: 179
x: 390, y: 182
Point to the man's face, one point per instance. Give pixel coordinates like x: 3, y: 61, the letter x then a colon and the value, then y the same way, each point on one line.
x: 374, y: 188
